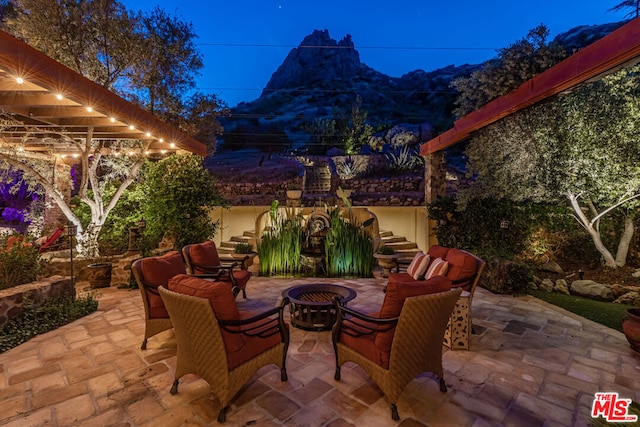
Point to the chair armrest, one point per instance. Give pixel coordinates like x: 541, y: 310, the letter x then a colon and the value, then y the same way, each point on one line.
x: 261, y: 325
x: 465, y: 279
x: 355, y: 323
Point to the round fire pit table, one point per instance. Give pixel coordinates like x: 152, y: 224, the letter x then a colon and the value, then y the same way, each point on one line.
x: 312, y: 306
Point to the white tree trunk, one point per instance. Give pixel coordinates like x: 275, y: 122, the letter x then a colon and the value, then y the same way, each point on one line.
x: 625, y: 241
x: 591, y: 226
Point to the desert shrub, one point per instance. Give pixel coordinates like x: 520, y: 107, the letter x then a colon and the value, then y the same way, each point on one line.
x: 19, y: 263
x: 51, y: 315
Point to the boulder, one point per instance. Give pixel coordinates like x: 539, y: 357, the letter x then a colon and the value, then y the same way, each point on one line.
x: 546, y: 285
x: 562, y: 287
x: 551, y: 266
x: 631, y: 298
x: 591, y: 289
x: 619, y: 290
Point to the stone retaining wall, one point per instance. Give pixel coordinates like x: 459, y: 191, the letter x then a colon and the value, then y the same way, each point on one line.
x: 120, y: 270
x: 15, y: 299
x: 407, y: 190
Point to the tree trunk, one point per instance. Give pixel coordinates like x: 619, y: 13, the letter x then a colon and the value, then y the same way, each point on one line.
x: 625, y: 241
x: 591, y: 227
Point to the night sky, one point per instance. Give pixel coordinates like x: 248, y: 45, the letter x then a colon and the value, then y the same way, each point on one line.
x: 243, y: 42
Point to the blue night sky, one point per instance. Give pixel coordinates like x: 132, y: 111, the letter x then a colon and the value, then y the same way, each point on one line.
x: 244, y: 41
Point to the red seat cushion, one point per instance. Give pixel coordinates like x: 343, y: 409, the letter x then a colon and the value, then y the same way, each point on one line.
x: 156, y: 271
x: 203, y: 254
x: 366, y: 346
x: 220, y: 297
x: 394, y: 300
x: 461, y: 265
x: 252, y: 346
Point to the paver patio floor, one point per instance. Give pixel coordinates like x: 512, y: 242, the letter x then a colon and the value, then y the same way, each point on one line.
x: 530, y: 364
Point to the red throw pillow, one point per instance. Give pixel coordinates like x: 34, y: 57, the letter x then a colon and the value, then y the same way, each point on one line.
x: 422, y: 267
x: 204, y: 254
x: 220, y: 297
x: 415, y: 262
x: 438, y: 267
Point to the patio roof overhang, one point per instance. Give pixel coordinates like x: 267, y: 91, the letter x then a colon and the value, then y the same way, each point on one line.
x: 50, y: 97
x: 617, y: 50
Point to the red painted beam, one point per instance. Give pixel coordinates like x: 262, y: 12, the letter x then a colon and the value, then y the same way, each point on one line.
x: 617, y: 49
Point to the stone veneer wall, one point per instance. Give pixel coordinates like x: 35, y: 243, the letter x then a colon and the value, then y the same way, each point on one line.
x: 13, y: 300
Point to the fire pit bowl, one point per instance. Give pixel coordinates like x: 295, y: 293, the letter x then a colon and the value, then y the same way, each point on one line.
x: 312, y: 306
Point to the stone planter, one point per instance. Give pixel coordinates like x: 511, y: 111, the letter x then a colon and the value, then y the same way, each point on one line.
x: 631, y: 328
x: 99, y: 275
x: 294, y: 194
x: 387, y: 262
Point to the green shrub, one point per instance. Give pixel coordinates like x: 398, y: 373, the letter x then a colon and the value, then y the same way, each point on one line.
x: 507, y: 277
x: 386, y: 250
x: 51, y: 315
x: 19, y: 264
x: 178, y: 196
x: 243, y: 248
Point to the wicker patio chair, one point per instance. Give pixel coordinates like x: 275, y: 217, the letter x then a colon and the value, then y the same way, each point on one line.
x: 203, y: 258
x: 414, y: 338
x: 151, y: 273
x: 205, y: 341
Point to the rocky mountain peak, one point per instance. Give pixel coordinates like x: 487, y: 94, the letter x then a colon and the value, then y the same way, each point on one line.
x: 318, y: 59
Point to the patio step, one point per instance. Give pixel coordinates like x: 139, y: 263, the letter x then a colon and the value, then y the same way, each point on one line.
x: 402, y: 245
x: 392, y: 239
x: 386, y: 233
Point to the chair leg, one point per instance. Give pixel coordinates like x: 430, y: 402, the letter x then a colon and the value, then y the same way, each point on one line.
x: 244, y: 293
x: 144, y: 345
x: 222, y: 416
x: 283, y: 375
x: 443, y: 385
x: 174, y: 387
x: 337, y: 374
x: 394, y: 412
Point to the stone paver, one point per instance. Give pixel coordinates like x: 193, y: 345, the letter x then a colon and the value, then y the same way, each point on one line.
x: 530, y: 364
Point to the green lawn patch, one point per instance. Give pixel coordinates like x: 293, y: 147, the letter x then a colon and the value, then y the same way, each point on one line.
x: 605, y: 313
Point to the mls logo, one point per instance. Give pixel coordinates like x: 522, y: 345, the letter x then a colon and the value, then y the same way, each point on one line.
x: 612, y: 408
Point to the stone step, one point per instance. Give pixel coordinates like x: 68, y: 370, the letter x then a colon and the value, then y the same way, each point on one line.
x: 398, y: 246
x: 241, y: 239
x: 250, y: 233
x: 386, y: 233
x: 393, y: 239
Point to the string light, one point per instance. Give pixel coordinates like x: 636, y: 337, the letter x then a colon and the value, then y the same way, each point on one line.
x: 59, y: 96
x: 112, y: 119
x: 89, y: 109
x: 20, y: 80
x: 148, y: 134
x: 161, y: 140
x: 131, y: 127
x: 172, y: 145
